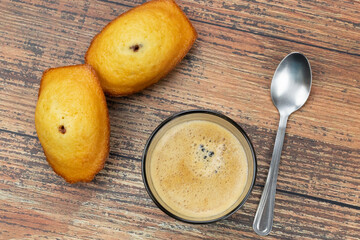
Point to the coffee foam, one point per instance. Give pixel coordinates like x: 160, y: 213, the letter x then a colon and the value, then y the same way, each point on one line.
x: 199, y: 168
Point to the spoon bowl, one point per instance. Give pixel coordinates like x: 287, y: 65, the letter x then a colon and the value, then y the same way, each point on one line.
x: 291, y: 84
x: 290, y: 88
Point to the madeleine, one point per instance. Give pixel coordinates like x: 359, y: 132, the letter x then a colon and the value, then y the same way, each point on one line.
x: 72, y: 122
x: 140, y: 47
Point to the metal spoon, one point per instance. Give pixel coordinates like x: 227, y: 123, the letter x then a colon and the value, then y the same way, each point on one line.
x: 290, y: 88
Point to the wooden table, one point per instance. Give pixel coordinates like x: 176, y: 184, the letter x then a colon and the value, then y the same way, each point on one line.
x: 229, y: 69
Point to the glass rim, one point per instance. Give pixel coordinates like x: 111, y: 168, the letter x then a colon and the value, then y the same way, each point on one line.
x: 160, y: 126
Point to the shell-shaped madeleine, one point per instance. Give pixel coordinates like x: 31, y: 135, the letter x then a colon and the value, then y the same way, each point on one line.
x: 140, y: 47
x: 72, y: 122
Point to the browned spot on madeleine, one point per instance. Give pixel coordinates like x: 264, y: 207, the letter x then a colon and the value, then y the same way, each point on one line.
x: 62, y: 129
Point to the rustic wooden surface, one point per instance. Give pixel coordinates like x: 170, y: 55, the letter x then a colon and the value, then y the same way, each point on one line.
x: 229, y: 69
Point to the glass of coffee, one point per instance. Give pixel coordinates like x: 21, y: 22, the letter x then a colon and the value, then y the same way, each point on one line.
x: 199, y: 166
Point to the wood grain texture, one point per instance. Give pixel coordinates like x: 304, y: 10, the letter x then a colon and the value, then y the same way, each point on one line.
x: 229, y: 69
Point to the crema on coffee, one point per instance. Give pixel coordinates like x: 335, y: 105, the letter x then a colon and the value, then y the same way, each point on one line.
x: 198, y: 169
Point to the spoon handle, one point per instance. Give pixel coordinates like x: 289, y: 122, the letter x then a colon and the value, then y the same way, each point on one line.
x: 264, y: 215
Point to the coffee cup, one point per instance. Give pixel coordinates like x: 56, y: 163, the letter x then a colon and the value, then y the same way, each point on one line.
x: 199, y: 166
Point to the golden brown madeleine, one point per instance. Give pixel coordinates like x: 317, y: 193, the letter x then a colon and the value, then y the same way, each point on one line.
x: 140, y: 47
x: 72, y: 122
